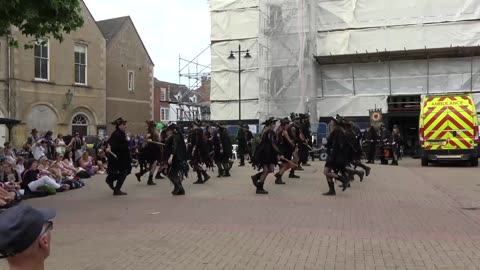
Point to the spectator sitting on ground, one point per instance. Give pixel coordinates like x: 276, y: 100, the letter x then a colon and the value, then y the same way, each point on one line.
x: 58, y: 165
x: 8, y: 173
x: 68, y: 161
x: 25, y: 237
x: 102, y: 162
x: 8, y: 196
x: 38, y: 149
x: 33, y: 180
x: 86, y: 163
x: 12, y: 151
x: 46, y: 169
x: 20, y: 167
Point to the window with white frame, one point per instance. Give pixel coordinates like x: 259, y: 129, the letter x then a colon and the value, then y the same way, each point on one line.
x: 194, y: 99
x: 131, y: 80
x: 163, y: 94
x: 164, y: 114
x: 180, y: 114
x: 42, y: 67
x: 81, y: 64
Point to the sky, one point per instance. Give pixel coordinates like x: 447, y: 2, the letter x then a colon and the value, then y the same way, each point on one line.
x: 168, y: 28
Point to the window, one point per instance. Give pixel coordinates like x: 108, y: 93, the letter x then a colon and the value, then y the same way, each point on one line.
x: 131, y: 81
x: 163, y: 94
x: 41, y: 61
x: 164, y: 114
x: 180, y: 114
x: 194, y: 99
x: 80, y: 64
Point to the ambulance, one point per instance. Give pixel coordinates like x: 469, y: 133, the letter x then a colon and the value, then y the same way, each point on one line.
x: 448, y: 129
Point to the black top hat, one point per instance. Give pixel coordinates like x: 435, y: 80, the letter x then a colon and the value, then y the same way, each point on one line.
x: 285, y: 121
x: 119, y: 121
x: 269, y: 121
x: 171, y: 125
x: 338, y: 118
x: 151, y: 123
x: 197, y: 122
x: 218, y: 124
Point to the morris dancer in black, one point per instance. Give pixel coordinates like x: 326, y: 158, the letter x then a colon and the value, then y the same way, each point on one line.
x: 151, y: 152
x: 306, y: 146
x: 337, y: 156
x: 266, y: 155
x: 357, y: 149
x: 286, y: 146
x: 162, y: 163
x: 223, y: 150
x: 242, y: 144
x: 177, y: 158
x: 295, y: 134
x: 249, y: 137
x: 198, y: 152
x: 120, y: 161
x: 353, y: 152
x: 371, y: 139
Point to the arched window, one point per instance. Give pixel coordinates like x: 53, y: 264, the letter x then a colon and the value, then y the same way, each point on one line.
x: 80, y: 124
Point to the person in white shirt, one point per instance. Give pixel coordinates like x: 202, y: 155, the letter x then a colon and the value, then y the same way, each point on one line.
x: 60, y: 145
x: 38, y: 149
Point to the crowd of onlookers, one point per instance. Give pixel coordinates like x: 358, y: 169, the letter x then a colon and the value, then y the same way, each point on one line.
x: 47, y: 165
x: 43, y: 166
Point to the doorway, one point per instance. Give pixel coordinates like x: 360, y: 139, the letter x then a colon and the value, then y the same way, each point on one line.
x: 408, y: 125
x: 80, y: 124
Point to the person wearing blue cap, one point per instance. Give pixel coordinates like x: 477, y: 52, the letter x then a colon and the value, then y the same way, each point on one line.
x: 25, y: 236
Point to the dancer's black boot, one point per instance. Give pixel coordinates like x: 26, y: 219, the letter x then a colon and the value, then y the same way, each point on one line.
x: 150, y: 180
x: 260, y: 189
x: 139, y: 175
x: 255, y: 178
x: 227, y: 171
x: 331, y: 191
x: 344, y: 179
x: 292, y: 174
x: 199, y: 178
x: 159, y: 175
x: 278, y: 179
x: 205, y: 176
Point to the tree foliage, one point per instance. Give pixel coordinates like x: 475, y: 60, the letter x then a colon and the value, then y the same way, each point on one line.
x: 38, y: 19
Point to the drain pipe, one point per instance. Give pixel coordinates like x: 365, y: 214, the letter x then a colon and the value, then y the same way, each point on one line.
x: 9, y: 59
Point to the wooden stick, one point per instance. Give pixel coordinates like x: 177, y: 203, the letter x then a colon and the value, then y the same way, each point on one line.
x: 291, y: 163
x: 158, y: 143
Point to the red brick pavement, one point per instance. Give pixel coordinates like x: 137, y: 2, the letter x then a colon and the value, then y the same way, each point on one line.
x: 404, y: 217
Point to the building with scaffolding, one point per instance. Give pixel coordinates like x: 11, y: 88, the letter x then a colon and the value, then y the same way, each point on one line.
x: 343, y: 56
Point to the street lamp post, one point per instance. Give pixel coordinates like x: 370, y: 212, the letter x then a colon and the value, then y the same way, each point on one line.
x: 232, y: 57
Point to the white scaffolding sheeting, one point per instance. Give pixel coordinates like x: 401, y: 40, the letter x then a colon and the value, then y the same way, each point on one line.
x: 410, y: 37
x: 232, y: 4
x: 401, y: 77
x: 229, y: 110
x: 350, y: 106
x: 235, y: 24
x: 221, y: 52
x: 224, y: 86
x: 281, y: 73
x: 348, y: 14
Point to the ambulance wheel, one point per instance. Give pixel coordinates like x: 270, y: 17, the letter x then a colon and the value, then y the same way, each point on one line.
x: 475, y: 162
x: 323, y: 156
x: 424, y: 162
